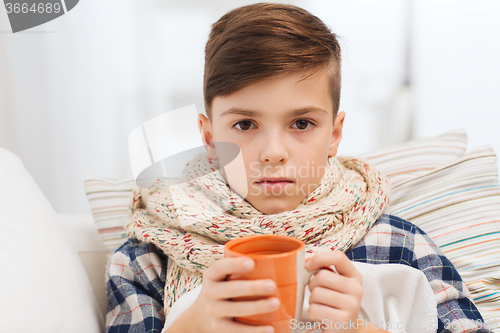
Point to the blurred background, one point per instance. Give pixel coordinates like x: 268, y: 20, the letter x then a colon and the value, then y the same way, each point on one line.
x: 73, y: 89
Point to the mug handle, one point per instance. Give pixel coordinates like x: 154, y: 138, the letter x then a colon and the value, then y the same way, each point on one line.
x: 306, y: 277
x: 308, y: 274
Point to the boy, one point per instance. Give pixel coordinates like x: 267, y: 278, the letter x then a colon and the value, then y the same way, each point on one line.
x: 272, y: 87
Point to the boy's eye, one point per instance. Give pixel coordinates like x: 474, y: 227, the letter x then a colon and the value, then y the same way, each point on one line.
x: 245, y: 124
x: 301, y: 124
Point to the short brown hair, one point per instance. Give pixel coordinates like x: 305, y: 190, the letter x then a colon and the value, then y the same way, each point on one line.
x: 263, y: 40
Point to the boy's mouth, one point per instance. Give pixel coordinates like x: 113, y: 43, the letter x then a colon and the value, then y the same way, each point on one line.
x: 274, y: 183
x: 271, y: 180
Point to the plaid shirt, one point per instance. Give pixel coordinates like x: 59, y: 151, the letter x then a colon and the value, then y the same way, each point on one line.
x: 136, y: 278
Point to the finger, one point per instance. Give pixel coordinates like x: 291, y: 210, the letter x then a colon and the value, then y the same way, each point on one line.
x: 237, y: 288
x: 318, y: 312
x: 224, y: 308
x: 334, y: 299
x: 231, y: 326
x: 338, y: 259
x: 222, y: 268
x: 337, y: 282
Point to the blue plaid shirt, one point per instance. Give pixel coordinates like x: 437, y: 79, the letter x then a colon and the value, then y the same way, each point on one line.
x: 136, y: 273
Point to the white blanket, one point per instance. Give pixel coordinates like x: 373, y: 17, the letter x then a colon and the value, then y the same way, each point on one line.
x: 397, y: 298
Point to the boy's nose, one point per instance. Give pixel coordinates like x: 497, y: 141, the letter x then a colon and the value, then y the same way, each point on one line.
x: 274, y: 149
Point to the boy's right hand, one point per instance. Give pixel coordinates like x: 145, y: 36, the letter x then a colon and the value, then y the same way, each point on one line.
x: 213, y: 309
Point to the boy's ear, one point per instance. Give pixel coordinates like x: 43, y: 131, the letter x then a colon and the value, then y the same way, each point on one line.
x: 336, y: 134
x: 205, y: 129
x: 202, y: 127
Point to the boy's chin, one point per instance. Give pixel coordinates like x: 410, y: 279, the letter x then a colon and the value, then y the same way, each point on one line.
x: 270, y: 206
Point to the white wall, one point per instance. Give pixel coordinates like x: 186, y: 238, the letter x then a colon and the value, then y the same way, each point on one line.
x: 372, y: 37
x: 457, y: 69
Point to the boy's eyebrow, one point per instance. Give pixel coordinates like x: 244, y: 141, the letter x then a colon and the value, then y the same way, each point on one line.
x: 255, y: 114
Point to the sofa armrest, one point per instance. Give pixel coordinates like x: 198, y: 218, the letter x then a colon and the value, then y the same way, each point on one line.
x: 83, y: 234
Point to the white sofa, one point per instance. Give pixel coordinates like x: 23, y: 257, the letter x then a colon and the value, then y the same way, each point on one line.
x: 44, y: 285
x: 83, y: 234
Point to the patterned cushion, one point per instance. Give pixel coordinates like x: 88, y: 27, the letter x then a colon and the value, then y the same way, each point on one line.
x: 411, y: 159
x: 458, y: 206
x: 108, y: 199
x: 452, y: 196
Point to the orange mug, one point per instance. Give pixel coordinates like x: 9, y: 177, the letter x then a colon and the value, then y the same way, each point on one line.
x: 280, y: 258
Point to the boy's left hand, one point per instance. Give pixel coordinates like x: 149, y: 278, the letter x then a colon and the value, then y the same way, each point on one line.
x: 335, y: 298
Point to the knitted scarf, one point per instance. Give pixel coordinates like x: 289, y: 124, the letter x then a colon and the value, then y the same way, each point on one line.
x: 191, y: 221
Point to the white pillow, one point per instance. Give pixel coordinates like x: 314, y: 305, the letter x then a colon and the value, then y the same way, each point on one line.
x: 43, y: 285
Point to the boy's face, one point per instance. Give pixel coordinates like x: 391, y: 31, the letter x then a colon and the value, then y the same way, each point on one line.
x: 276, y: 143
